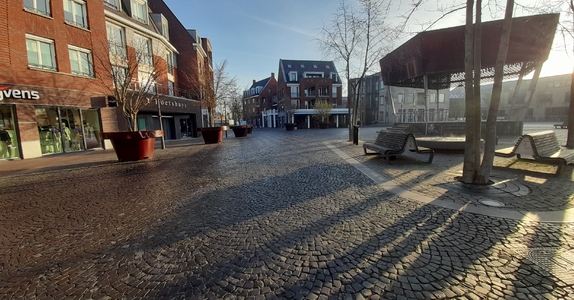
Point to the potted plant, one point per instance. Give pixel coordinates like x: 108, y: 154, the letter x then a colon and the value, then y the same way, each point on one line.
x: 290, y: 126
x: 323, y: 111
x: 240, y: 130
x: 133, y: 74
x: 219, y: 87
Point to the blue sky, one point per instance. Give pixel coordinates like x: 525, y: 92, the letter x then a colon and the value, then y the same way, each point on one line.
x: 254, y: 34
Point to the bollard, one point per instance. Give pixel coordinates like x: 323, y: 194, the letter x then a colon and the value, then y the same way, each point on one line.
x: 355, y: 134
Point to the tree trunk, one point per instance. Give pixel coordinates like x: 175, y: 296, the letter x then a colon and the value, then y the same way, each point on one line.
x: 133, y: 121
x: 570, y: 138
x: 469, y: 166
x: 488, y: 159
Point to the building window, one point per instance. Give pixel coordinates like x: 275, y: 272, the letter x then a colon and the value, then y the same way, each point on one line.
x: 75, y: 13
x: 81, y: 61
x: 410, y: 98
x: 292, y: 76
x: 432, y: 98
x: 334, y: 94
x: 139, y: 11
x: 119, y: 77
x: 41, y: 53
x: 441, y: 98
x: 112, y: 3
x: 294, y: 92
x: 170, y: 88
x: 400, y: 98
x: 146, y: 82
x: 38, y: 6
x: 334, y: 76
x: 142, y: 46
x: 169, y: 59
x: 116, y: 41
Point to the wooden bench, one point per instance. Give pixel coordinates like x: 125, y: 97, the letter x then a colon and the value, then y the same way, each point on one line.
x: 390, y: 144
x: 562, y: 126
x: 542, y: 147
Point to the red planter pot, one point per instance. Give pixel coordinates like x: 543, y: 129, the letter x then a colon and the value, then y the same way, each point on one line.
x: 290, y: 126
x: 212, y: 135
x: 240, y: 131
x: 133, y: 145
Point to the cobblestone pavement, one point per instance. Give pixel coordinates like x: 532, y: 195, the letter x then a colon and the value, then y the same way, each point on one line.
x: 276, y: 215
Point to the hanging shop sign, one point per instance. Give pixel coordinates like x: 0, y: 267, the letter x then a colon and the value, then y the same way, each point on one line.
x: 6, y: 92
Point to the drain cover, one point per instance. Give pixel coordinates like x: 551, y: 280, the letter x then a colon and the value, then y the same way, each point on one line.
x: 490, y: 202
x: 556, y: 261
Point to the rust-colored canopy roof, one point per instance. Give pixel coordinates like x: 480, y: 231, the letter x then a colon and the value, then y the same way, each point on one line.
x: 439, y: 54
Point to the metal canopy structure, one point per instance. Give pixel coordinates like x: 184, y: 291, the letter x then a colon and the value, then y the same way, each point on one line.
x: 438, y: 55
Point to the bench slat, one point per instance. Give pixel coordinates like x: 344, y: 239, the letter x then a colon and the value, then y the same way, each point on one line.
x: 390, y: 143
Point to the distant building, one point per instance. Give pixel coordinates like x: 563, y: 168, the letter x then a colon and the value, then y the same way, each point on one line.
x: 300, y: 84
x: 260, y: 103
x: 550, y: 101
x: 369, y: 98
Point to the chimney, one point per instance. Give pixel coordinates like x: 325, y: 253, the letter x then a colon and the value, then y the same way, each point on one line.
x: 272, y: 75
x: 254, y: 81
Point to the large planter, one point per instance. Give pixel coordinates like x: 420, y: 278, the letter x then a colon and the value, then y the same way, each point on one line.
x: 324, y: 125
x: 240, y: 130
x: 249, y: 129
x: 212, y: 135
x: 133, y: 145
x: 290, y: 126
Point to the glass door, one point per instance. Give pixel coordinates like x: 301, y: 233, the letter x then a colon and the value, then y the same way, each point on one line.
x: 49, y: 130
x: 72, y: 134
x: 91, y: 125
x: 8, y: 137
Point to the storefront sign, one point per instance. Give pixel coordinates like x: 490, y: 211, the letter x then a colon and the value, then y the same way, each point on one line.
x: 7, y: 92
x: 171, y: 103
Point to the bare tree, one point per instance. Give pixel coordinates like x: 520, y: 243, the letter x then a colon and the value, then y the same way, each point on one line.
x: 134, y: 73
x: 323, y: 109
x: 358, y: 36
x: 474, y: 171
x: 221, y: 89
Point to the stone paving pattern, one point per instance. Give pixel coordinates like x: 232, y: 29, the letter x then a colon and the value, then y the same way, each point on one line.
x: 276, y: 215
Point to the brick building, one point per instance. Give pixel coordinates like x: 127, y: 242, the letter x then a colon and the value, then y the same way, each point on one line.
x: 300, y: 83
x: 260, y: 103
x: 54, y: 88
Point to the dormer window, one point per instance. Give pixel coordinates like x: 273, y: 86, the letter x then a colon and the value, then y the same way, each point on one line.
x: 162, y: 24
x: 327, y: 66
x: 139, y: 10
x: 289, y: 66
x: 302, y: 66
x: 314, y: 66
x: 334, y: 76
x: 292, y: 76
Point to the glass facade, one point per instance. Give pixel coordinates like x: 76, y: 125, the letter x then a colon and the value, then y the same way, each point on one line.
x: 67, y: 129
x: 8, y: 137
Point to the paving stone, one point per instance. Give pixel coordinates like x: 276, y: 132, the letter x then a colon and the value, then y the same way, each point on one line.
x: 277, y: 215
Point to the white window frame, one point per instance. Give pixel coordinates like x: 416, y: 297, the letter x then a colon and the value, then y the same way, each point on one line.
x: 170, y: 88
x: 34, y: 8
x: 135, y: 4
x: 334, y: 94
x: 72, y: 6
x: 112, y: 3
x: 293, y: 76
x: 87, y: 70
x: 117, y: 48
x: 295, y: 92
x: 143, y: 43
x: 39, y: 40
x: 117, y: 75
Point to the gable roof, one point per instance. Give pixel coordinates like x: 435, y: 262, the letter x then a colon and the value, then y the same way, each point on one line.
x: 307, y: 66
x: 260, y: 83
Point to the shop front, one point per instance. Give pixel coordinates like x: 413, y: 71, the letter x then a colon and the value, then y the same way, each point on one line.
x: 37, y: 121
x: 179, y: 117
